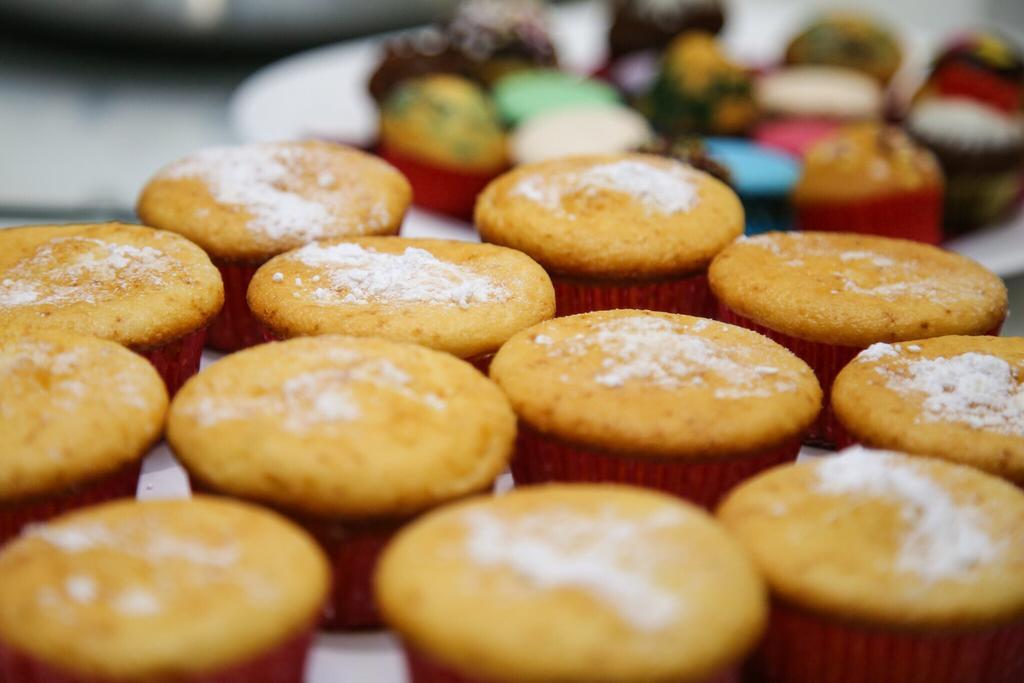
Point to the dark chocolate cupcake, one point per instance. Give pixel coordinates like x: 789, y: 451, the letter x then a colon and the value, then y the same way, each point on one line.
x: 424, y: 52
x: 652, y: 24
x: 501, y: 36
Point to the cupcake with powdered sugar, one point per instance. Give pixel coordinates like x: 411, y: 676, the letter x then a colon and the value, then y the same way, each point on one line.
x: 981, y: 149
x: 246, y: 204
x: 576, y: 584
x: 956, y: 398
x: 684, y: 405
x: 463, y: 298
x: 885, y: 567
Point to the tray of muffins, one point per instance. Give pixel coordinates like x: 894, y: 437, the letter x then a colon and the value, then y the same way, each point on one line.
x: 286, y: 429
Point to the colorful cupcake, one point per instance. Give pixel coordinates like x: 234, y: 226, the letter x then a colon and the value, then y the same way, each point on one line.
x: 576, y: 584
x: 349, y: 437
x: 685, y: 405
x: 77, y: 415
x: 191, y: 591
x: 850, y: 41
x: 499, y: 37
x: 828, y: 296
x: 806, y: 104
x: 616, y: 231
x: 762, y: 177
x: 885, y: 569
x: 956, y: 398
x: 700, y: 90
x: 641, y: 25
x: 246, y: 204
x: 526, y: 94
x: 152, y: 291
x: 463, y: 298
x: 981, y: 150
x: 981, y: 66
x: 578, y: 131
x: 871, y: 179
x: 444, y: 134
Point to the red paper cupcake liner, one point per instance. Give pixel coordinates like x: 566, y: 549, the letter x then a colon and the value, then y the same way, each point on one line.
x: 540, y: 459
x: 690, y: 295
x: 15, y: 516
x: 913, y: 216
x: 178, y: 360
x: 235, y: 327
x: 805, y: 648
x: 482, y: 362
x: 424, y: 670
x: 353, y: 550
x: 437, y: 188
x: 285, y: 663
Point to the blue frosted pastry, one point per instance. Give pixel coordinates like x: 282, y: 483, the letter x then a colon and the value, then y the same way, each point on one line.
x: 762, y: 177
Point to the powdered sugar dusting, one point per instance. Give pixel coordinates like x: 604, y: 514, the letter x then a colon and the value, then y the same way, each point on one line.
x: 69, y: 270
x: 979, y: 390
x: 611, y: 557
x: 870, y: 273
x: 361, y: 276
x: 81, y: 538
x: 289, y: 191
x: 659, y: 189
x: 316, y: 398
x: 668, y: 354
x: 943, y: 540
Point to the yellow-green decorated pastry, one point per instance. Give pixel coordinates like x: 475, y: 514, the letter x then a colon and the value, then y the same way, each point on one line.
x: 848, y: 40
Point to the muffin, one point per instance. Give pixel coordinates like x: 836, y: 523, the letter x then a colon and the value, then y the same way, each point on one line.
x: 828, y: 296
x: 499, y: 37
x: 577, y: 131
x: 803, y: 105
x: 245, y: 204
x: 189, y: 591
x: 576, y: 584
x: 526, y: 94
x: 850, y: 41
x: 885, y: 569
x: 414, y: 54
x: 639, y: 25
x: 871, y: 179
x: 685, y: 405
x: 981, y: 150
x: 152, y: 291
x: 444, y: 134
x: 77, y: 415
x: 762, y: 177
x: 700, y: 90
x: 349, y: 437
x: 615, y: 231
x: 979, y: 65
x: 956, y: 398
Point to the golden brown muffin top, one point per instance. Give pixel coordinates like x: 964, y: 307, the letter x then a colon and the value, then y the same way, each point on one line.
x: 637, y: 585
x: 956, y: 398
x: 657, y: 384
x: 134, y: 285
x: 463, y: 298
x: 219, y: 581
x: 887, y: 539
x: 342, y: 427
x: 614, y: 216
x: 855, y: 290
x: 250, y: 202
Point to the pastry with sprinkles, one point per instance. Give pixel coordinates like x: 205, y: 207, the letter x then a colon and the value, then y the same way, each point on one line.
x: 189, y: 591
x: 77, y: 415
x: 885, y: 568
x: 246, y: 204
x: 499, y: 37
x: 463, y: 298
x: 684, y: 405
x: 615, y: 231
x: 350, y: 437
x: 956, y: 398
x: 576, y: 584
x: 828, y: 296
x: 150, y: 290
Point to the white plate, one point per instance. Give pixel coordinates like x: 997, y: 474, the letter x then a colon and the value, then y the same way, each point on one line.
x: 322, y: 93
